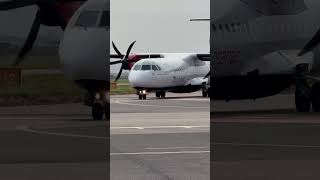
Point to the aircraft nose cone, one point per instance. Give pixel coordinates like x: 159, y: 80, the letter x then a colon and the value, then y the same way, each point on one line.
x: 140, y: 79
x: 84, y: 54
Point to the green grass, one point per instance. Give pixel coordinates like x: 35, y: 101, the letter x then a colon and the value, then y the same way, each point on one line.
x: 49, y: 89
x: 123, y: 87
x: 41, y: 89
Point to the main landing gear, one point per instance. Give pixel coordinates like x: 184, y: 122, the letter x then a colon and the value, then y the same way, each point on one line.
x: 306, y: 96
x: 160, y: 94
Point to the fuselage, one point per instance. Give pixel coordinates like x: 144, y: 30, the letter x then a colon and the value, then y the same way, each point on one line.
x: 255, y: 48
x: 84, y: 49
x: 240, y: 36
x: 173, y: 71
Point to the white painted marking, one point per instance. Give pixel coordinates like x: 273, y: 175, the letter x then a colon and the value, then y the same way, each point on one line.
x: 270, y: 145
x: 162, y: 148
x: 161, y: 127
x: 26, y: 129
x: 159, y: 153
x: 151, y: 105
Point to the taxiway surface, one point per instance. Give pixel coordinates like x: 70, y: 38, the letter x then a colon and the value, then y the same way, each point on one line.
x: 265, y: 139
x: 160, y: 138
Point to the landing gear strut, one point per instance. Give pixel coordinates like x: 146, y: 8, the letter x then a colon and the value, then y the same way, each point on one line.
x: 315, y: 94
x: 100, y: 106
x: 303, y: 91
x: 160, y: 94
x: 302, y: 96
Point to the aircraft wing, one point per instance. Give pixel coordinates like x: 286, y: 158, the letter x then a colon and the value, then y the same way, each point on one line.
x: 138, y: 56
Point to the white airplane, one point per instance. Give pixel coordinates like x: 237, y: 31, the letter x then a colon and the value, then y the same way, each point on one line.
x: 260, y: 47
x: 172, y: 72
x: 84, y: 48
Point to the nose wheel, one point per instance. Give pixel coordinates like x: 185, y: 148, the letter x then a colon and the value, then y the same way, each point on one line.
x: 100, y: 107
x: 142, y: 94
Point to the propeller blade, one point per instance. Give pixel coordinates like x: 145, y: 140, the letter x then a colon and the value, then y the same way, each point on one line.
x: 30, y: 40
x: 314, y: 42
x: 117, y: 50
x: 129, y: 50
x: 13, y: 4
x: 119, y: 74
x: 115, y: 62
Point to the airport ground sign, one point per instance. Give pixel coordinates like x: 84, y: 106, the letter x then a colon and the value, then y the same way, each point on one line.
x: 10, y: 77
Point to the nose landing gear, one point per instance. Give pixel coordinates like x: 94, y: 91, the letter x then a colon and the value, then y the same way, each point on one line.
x: 142, y: 94
x: 100, y: 106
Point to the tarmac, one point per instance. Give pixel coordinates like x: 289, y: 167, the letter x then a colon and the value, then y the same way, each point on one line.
x: 161, y: 139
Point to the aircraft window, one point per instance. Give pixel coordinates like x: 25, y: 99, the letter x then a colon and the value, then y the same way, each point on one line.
x: 227, y: 27
x: 214, y: 27
x: 137, y: 67
x: 233, y: 27
x: 87, y: 19
x: 220, y: 27
x: 146, y: 67
x: 155, y: 68
x: 105, y: 19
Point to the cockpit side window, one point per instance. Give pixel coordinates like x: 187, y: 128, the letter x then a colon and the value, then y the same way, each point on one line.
x: 137, y: 67
x: 158, y: 67
x: 146, y: 67
x: 155, y: 68
x: 87, y: 19
x: 105, y: 19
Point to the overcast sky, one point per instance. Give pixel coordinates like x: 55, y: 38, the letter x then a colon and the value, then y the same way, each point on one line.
x: 157, y: 26
x: 160, y: 26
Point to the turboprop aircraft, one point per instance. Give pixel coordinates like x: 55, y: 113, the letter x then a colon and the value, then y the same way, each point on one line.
x: 84, y: 48
x: 262, y: 47
x: 172, y: 72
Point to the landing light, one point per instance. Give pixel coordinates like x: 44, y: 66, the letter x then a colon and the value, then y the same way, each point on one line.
x: 97, y: 96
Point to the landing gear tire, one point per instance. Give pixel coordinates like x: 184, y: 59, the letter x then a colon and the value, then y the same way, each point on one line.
x: 315, y: 92
x: 158, y: 94
x: 302, y: 96
x: 107, y: 111
x: 204, y: 93
x: 97, y: 111
x: 144, y: 96
x: 140, y: 97
x: 163, y: 94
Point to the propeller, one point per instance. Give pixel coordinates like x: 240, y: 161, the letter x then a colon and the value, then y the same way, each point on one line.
x: 124, y: 61
x: 314, y: 42
x: 32, y: 36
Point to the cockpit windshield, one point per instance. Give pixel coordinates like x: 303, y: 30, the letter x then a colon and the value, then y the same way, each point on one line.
x: 146, y: 66
x: 105, y: 19
x: 88, y: 19
x: 137, y: 67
